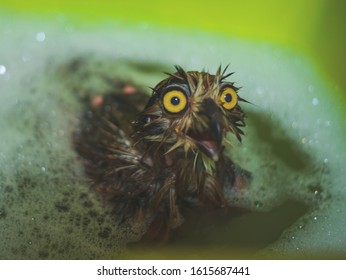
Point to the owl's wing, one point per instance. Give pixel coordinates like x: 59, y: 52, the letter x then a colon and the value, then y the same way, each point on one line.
x: 104, y: 141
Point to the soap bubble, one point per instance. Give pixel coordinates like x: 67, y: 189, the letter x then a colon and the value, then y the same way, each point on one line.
x: 2, y: 69
x: 40, y: 36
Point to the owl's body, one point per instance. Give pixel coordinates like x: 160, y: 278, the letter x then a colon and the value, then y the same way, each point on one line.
x: 156, y: 162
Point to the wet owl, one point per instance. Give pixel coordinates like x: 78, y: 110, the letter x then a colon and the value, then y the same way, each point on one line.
x: 156, y: 157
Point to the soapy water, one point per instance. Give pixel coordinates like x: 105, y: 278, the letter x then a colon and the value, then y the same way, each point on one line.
x: 294, y: 145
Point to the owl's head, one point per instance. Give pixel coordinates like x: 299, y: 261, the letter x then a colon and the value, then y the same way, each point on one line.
x: 192, y: 111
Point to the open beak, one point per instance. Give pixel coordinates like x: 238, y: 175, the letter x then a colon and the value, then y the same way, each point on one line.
x: 209, y: 139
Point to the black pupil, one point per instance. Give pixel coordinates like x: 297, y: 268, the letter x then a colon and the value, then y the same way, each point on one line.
x: 228, y: 97
x: 175, y: 101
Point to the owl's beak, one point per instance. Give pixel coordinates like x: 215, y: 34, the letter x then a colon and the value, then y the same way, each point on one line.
x: 209, y: 140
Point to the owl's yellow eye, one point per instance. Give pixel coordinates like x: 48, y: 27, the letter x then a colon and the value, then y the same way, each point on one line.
x: 174, y: 101
x: 228, y: 98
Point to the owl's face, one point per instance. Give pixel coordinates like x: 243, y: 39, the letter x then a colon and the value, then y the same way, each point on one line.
x: 193, y: 111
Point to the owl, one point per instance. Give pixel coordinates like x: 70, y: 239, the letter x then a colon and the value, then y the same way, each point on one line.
x: 156, y: 158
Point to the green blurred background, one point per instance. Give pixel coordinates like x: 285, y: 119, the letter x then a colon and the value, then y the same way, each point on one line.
x: 316, y: 28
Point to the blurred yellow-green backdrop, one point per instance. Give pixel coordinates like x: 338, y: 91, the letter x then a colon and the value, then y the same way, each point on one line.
x: 314, y: 27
